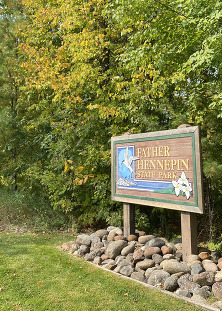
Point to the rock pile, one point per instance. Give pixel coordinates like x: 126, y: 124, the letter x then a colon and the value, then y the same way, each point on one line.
x: 152, y: 260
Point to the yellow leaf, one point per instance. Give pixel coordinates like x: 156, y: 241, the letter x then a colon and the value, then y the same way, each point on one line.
x: 66, y: 167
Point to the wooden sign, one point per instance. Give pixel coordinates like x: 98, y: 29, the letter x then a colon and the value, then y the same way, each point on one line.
x: 159, y: 169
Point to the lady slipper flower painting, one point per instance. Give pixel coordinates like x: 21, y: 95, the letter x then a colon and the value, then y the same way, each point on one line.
x: 182, y: 186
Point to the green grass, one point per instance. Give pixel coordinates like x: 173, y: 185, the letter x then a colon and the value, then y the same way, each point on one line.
x: 37, y: 276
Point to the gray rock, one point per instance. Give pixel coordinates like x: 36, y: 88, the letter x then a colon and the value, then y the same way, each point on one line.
x: 204, y: 292
x: 114, y: 248
x: 100, y: 233
x: 91, y: 256
x: 145, y: 264
x: 125, y: 263
x: 83, y: 239
x: 183, y: 292
x: 84, y: 249
x: 111, y: 235
x: 129, y: 258
x: 218, y: 276
x: 95, y: 239
x: 126, y: 270
x: 156, y: 242
x: 217, y: 290
x: 117, y: 230
x: 174, y: 267
x: 193, y: 263
x: 108, y: 262
x: 128, y: 249
x: 158, y: 277
x: 97, y: 260
x: 179, y: 255
x: 138, y: 276
x: 171, y: 284
x: 110, y: 228
x: 185, y: 283
x: 145, y: 238
x: 149, y: 271
x: 119, y: 259
x: 157, y: 258
x: 98, y: 245
x: 168, y: 257
x: 197, y: 269
x: 204, y: 278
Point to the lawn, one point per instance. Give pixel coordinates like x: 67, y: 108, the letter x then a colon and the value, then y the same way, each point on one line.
x: 37, y: 276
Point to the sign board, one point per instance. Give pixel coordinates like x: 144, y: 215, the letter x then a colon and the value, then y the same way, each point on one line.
x: 160, y: 169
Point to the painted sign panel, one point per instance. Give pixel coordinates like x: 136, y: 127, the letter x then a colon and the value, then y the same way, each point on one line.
x: 158, y: 169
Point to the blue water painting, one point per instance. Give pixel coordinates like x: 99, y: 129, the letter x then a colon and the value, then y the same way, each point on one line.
x: 126, y: 180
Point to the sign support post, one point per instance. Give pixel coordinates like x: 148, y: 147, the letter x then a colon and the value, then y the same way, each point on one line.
x: 128, y: 219
x: 189, y: 234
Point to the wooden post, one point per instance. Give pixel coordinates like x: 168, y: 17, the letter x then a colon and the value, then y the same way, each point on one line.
x: 128, y: 219
x: 189, y: 234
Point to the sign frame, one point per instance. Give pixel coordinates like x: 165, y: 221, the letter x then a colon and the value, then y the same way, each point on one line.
x: 185, y: 206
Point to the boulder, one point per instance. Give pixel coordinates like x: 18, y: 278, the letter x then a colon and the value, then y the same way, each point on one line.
x: 204, y: 255
x: 83, y: 239
x: 132, y: 237
x: 145, y: 238
x: 128, y: 249
x: 158, y: 277
x: 138, y: 255
x: 114, y: 249
x: 170, y: 283
x: 157, y: 258
x: 217, y: 290
x: 185, y: 283
x: 166, y: 250
x: 204, y: 292
x: 150, y: 250
x: 145, y: 264
x: 84, y: 249
x: 100, y: 233
x: 156, y: 242
x: 197, y: 269
x: 172, y: 267
x: 218, y: 276
x: 220, y: 265
x: 204, y: 278
x: 97, y: 260
x: 183, y: 292
x: 92, y: 255
x: 209, y: 266
x: 192, y: 258
x: 126, y: 270
x: 138, y: 276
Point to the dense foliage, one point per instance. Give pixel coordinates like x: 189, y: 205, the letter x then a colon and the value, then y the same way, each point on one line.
x: 74, y: 73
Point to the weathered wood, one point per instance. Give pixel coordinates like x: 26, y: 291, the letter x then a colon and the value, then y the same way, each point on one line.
x: 128, y: 219
x: 189, y: 234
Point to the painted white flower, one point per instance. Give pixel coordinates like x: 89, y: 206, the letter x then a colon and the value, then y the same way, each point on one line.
x: 177, y: 187
x: 183, y: 180
x: 187, y: 190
